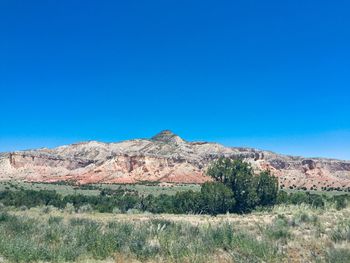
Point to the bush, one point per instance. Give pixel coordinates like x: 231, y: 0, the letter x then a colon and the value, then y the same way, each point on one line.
x: 278, y: 229
x: 116, y: 210
x: 282, y: 197
x: 316, y: 201
x: 4, y: 216
x: 70, y: 209
x: 54, y: 220
x: 85, y: 209
x: 23, y: 208
x: 47, y: 209
x: 303, y: 217
x: 340, y: 202
x: 299, y: 198
x: 341, y: 232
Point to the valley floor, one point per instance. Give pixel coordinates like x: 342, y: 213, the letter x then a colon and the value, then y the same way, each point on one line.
x: 282, y: 234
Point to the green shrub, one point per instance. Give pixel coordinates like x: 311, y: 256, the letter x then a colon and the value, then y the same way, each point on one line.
x: 116, y: 210
x: 47, y: 209
x: 282, y: 197
x: 316, y: 201
x: 4, y: 216
x: 299, y: 198
x: 55, y: 220
x: 69, y: 208
x: 341, y: 232
x: 85, y: 209
x: 23, y: 208
x: 338, y: 255
x: 340, y: 202
x: 133, y: 211
x: 279, y: 229
x: 303, y: 217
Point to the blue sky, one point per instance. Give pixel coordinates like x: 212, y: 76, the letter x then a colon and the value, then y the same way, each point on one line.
x: 267, y: 74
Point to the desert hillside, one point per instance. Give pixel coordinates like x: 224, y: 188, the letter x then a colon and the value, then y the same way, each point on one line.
x: 163, y: 158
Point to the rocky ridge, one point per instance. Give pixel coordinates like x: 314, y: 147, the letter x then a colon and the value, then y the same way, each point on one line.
x: 164, y: 158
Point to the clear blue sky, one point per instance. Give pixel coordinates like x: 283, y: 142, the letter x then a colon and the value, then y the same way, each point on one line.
x: 267, y: 74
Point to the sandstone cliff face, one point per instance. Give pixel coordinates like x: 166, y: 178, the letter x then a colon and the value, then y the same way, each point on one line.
x: 164, y: 158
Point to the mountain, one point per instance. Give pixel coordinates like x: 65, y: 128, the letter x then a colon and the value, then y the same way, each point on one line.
x: 164, y: 158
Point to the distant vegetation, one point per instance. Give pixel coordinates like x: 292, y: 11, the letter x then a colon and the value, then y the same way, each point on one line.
x: 70, y: 188
x: 235, y: 189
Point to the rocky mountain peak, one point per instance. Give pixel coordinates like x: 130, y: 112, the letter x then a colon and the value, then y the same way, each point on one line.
x: 167, y: 136
x: 164, y: 158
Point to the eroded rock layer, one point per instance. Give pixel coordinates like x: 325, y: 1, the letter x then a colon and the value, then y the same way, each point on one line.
x: 164, y: 158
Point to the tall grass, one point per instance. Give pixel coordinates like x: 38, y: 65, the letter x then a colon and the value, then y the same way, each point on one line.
x: 57, y: 240
x: 279, y: 229
x: 338, y: 255
x: 341, y: 232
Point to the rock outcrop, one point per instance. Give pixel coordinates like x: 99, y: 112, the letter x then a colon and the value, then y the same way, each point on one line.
x: 164, y: 158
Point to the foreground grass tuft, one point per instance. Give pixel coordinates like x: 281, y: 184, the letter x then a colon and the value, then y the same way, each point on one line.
x: 338, y: 255
x: 341, y: 232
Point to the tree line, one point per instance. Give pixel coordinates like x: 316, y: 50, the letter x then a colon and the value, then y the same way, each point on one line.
x: 235, y: 188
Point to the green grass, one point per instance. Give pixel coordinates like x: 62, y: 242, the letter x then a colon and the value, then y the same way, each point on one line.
x: 58, y: 240
x: 278, y: 229
x: 299, y: 232
x: 152, y: 188
x: 95, y: 189
x: 338, y: 255
x: 319, y: 192
x: 59, y: 188
x: 341, y: 232
x: 143, y: 188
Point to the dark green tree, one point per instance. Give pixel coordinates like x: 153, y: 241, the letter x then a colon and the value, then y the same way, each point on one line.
x: 298, y: 198
x: 282, y: 197
x: 267, y: 188
x: 216, y: 198
x: 239, y: 177
x: 186, y: 202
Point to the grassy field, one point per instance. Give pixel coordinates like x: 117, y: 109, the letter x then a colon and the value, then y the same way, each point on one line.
x: 318, y: 192
x: 282, y: 234
x: 143, y: 189
x: 95, y: 189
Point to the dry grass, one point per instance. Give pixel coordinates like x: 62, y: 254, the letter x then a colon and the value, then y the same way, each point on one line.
x: 298, y: 233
